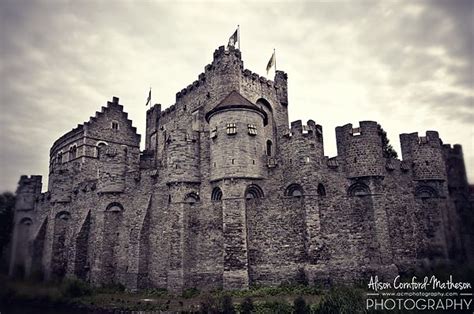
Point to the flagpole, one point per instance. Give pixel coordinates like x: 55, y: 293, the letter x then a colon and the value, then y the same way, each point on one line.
x: 274, y: 53
x: 238, y: 35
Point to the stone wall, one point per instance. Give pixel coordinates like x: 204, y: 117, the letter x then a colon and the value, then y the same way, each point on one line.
x: 205, y: 210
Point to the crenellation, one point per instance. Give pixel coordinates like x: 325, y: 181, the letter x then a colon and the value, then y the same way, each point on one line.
x: 229, y: 194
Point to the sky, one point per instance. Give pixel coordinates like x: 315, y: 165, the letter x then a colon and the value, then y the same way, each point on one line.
x: 406, y: 64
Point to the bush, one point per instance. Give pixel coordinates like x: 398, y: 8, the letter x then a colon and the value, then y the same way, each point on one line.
x: 208, y: 305
x: 190, y: 293
x: 273, y: 307
x: 246, y: 307
x: 74, y: 288
x: 300, y: 306
x: 227, y: 305
x: 342, y: 300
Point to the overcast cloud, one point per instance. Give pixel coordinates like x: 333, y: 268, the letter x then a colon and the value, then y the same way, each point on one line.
x: 406, y: 64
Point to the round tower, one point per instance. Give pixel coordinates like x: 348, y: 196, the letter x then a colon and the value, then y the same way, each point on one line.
x: 302, y: 152
x: 426, y: 155
x: 238, y: 148
x: 182, y: 156
x: 361, y: 149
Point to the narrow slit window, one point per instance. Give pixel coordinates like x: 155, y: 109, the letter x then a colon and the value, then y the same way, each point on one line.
x: 213, y: 133
x: 252, y: 129
x: 231, y: 129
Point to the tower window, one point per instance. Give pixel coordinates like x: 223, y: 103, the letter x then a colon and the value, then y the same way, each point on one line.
x: 72, y: 152
x: 115, y: 125
x: 252, y: 129
x: 231, y: 129
x: 269, y: 148
x: 213, y: 133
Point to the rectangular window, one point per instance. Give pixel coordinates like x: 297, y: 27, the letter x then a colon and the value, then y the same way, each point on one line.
x: 231, y: 129
x: 213, y: 132
x: 252, y: 129
x: 115, y: 125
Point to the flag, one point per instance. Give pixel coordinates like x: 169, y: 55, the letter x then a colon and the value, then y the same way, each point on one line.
x: 234, y: 38
x: 271, y: 62
x: 149, y: 98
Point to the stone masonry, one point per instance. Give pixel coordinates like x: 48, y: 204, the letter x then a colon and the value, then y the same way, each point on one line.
x: 227, y: 194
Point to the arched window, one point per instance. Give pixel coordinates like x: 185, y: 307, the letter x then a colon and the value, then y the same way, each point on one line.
x: 72, y: 152
x: 114, y: 207
x: 358, y: 189
x: 26, y: 221
x: 269, y: 147
x: 253, y: 191
x: 294, y: 190
x: 100, y: 149
x: 263, y: 102
x: 216, y: 194
x: 63, y: 215
x: 425, y: 192
x: 191, y: 198
x: 60, y: 157
x: 321, y: 190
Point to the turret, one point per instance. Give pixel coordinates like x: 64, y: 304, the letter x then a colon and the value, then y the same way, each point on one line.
x: 224, y: 72
x: 302, y: 150
x: 152, y: 124
x: 182, y: 156
x: 455, y: 168
x: 360, y: 149
x: 237, y: 145
x: 29, y: 188
x: 426, y: 155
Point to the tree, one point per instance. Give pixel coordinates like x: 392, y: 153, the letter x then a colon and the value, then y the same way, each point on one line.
x: 388, y: 151
x: 7, y: 205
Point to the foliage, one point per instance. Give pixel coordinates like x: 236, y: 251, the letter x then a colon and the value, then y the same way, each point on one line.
x: 227, y: 305
x: 74, y: 288
x: 246, y: 307
x: 7, y: 204
x: 342, y: 300
x: 273, y: 307
x: 190, y: 293
x: 300, y: 306
x: 388, y: 150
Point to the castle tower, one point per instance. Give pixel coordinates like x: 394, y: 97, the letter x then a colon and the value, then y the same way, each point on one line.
x: 426, y: 155
x: 237, y: 148
x: 360, y: 149
x: 29, y: 188
x: 302, y: 153
x: 237, y: 158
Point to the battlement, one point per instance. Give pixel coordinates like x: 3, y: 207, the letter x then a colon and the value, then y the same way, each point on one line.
x: 455, y: 150
x: 29, y: 183
x: 310, y: 129
x: 231, y: 51
x: 431, y: 138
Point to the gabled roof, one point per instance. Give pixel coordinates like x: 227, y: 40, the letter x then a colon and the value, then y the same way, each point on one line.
x: 236, y: 101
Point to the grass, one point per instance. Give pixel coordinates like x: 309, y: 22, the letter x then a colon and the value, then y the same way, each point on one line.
x: 264, y: 299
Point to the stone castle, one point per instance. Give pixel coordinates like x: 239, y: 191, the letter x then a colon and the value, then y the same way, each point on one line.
x: 228, y: 195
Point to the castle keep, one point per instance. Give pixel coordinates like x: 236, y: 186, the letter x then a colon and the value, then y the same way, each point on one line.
x: 227, y: 194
